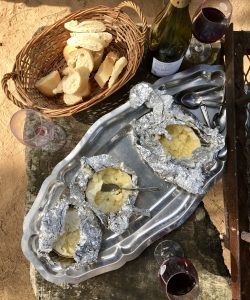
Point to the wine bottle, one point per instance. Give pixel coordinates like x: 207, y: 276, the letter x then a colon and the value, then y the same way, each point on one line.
x: 170, y: 35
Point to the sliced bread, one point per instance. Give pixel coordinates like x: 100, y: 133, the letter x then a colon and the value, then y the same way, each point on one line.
x: 58, y: 89
x: 76, y: 81
x: 71, y: 99
x: 92, y: 44
x: 81, y: 57
x: 85, y: 26
x: 104, y: 37
x: 97, y: 56
x: 48, y: 83
x: 118, y: 67
x: 67, y: 50
x: 106, y: 68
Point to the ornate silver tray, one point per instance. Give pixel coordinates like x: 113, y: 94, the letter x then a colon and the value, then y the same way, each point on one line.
x: 170, y: 207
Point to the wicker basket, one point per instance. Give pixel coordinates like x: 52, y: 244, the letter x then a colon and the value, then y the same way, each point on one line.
x: 44, y: 53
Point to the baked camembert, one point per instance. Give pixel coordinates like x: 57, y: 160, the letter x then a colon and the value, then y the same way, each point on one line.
x: 183, y: 143
x: 66, y: 243
x: 108, y: 201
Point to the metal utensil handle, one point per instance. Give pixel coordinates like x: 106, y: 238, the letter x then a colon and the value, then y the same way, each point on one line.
x: 215, y: 88
x: 172, y: 89
x: 212, y: 104
x: 205, y: 115
x: 209, y: 97
x: 142, y: 189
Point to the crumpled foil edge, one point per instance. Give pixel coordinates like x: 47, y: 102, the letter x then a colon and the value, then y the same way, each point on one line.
x: 189, y: 173
x: 52, y: 226
x: 116, y: 222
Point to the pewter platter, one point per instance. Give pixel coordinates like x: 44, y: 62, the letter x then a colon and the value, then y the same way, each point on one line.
x: 169, y: 208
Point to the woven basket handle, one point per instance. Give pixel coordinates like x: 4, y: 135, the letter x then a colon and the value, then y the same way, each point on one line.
x: 6, y: 90
x: 137, y: 9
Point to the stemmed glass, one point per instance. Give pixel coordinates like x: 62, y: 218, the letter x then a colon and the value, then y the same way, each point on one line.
x: 177, y: 274
x: 35, y: 130
x: 210, y: 23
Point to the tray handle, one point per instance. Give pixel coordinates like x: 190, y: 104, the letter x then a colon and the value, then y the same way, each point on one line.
x: 137, y: 9
x: 6, y: 90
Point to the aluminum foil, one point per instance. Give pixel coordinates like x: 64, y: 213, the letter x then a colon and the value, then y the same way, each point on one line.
x: 116, y: 222
x: 188, y: 173
x: 52, y: 226
x: 88, y: 247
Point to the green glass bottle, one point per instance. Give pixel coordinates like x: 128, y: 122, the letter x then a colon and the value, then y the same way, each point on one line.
x: 170, y: 37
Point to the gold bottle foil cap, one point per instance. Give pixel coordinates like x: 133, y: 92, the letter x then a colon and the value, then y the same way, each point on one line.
x: 180, y: 3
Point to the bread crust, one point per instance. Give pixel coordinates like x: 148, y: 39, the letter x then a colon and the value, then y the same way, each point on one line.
x: 48, y: 83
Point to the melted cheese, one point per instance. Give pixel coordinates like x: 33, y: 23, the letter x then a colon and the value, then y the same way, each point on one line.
x: 184, y: 141
x: 66, y: 243
x: 108, y: 201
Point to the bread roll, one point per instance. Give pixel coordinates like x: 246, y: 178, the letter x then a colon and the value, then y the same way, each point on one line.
x: 118, y: 67
x: 67, y: 50
x: 92, y: 44
x: 81, y: 57
x: 104, y: 37
x: 48, y: 83
x: 85, y: 26
x: 105, y: 69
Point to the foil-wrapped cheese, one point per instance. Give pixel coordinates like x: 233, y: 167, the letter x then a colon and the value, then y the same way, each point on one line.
x: 166, y: 140
x: 72, y: 231
x: 183, y: 141
x: 108, y: 201
x: 115, y: 208
x: 65, y: 245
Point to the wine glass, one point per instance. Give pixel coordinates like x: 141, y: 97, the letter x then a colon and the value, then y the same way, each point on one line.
x: 35, y: 130
x: 177, y: 274
x: 209, y: 24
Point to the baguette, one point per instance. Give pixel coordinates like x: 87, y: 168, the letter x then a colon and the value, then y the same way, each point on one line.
x: 48, y: 83
x: 76, y: 82
x: 71, y: 99
x: 97, y: 56
x: 81, y: 57
x: 92, y: 44
x: 118, y: 67
x: 104, y: 37
x: 58, y: 89
x: 105, y: 69
x: 66, y: 71
x: 85, y: 26
x: 67, y: 50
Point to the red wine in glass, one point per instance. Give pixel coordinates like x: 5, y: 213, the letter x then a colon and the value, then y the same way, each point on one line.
x: 209, y: 25
x: 179, y: 278
x: 177, y: 274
